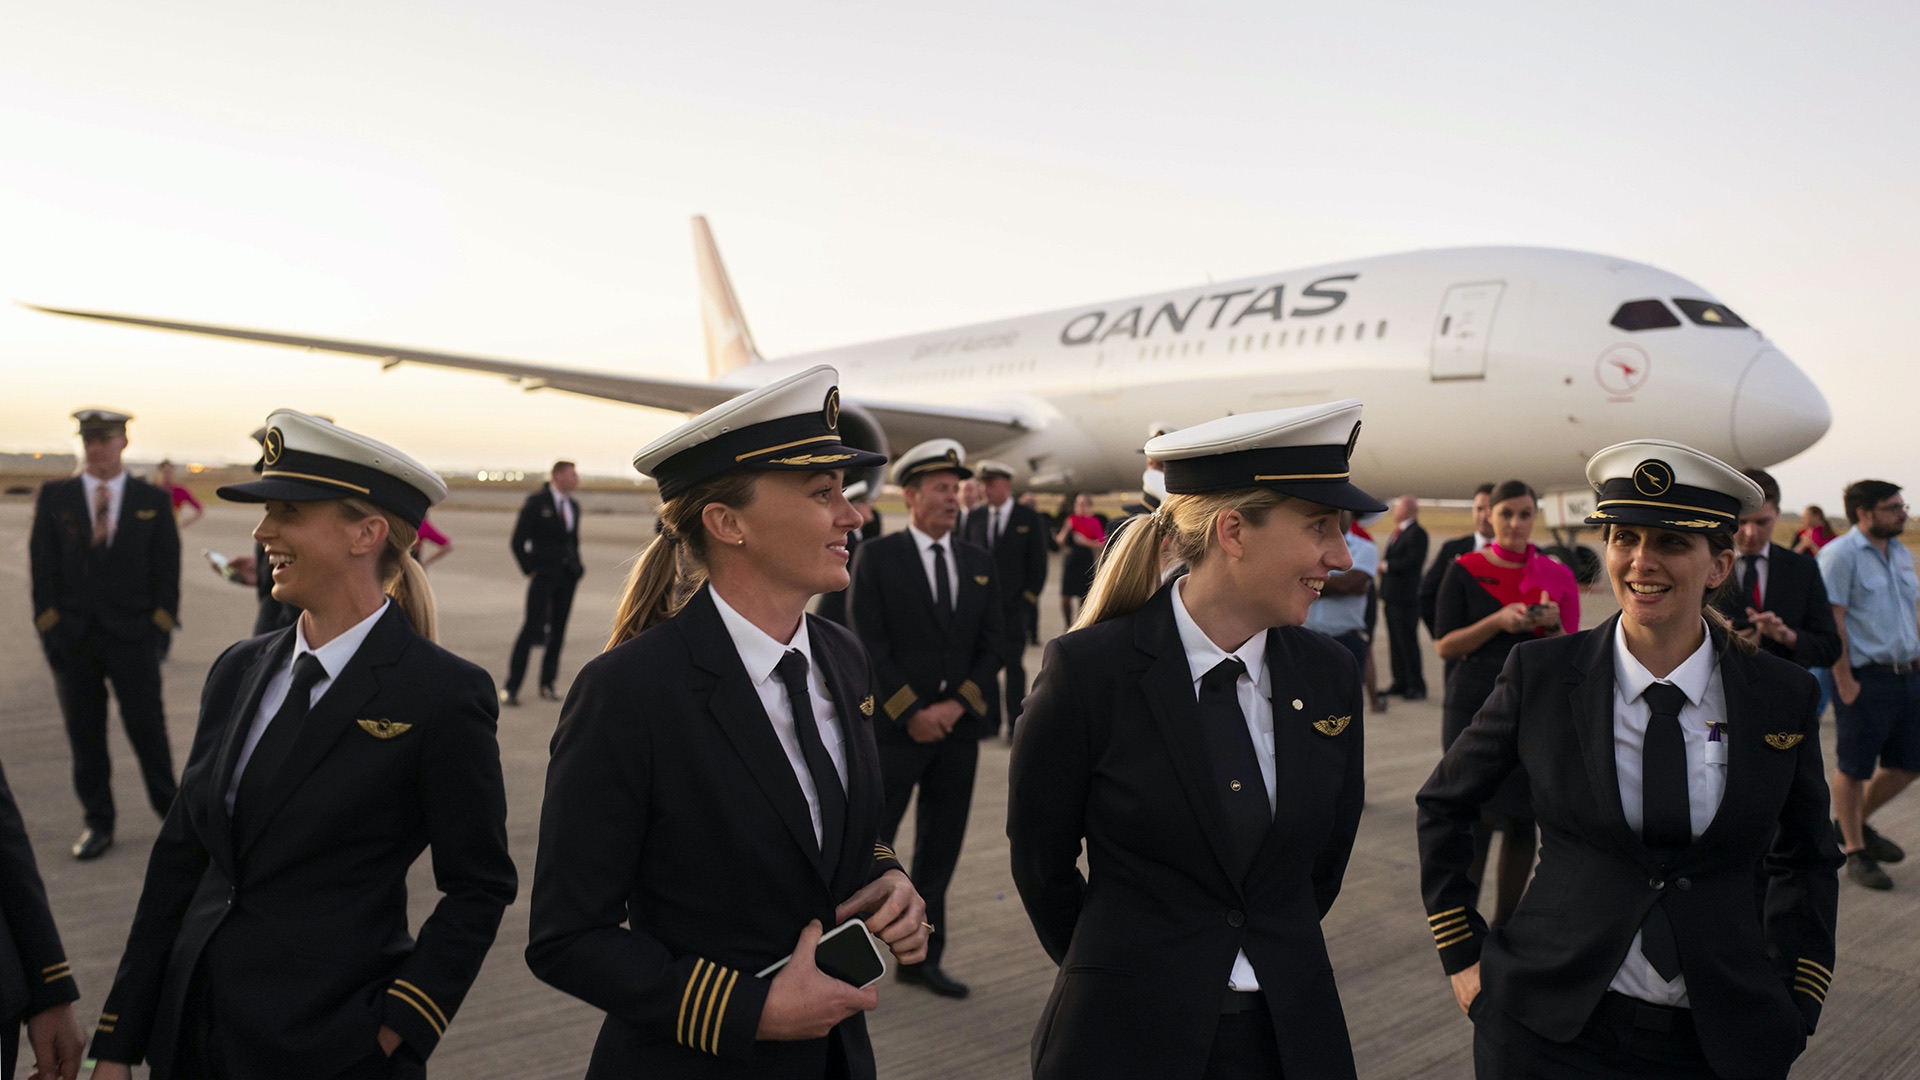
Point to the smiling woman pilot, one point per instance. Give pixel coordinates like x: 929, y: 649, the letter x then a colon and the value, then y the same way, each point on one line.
x: 1208, y: 751
x: 714, y: 797
x: 1672, y: 770
x: 271, y: 935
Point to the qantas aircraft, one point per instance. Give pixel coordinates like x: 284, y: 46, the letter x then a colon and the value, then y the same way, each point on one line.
x: 1474, y: 363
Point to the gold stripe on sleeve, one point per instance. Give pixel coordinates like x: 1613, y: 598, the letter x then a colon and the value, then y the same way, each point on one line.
x: 699, y: 1003
x: 1444, y: 914
x: 720, y: 1014
x: 1806, y: 963
x: 426, y: 997
x: 680, y: 1021
x: 417, y: 1007
x: 1464, y: 935
x: 898, y: 703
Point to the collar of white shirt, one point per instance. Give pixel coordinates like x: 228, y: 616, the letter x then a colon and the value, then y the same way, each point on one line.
x: 1691, y: 676
x: 924, y: 542
x: 1480, y: 542
x: 759, y: 651
x: 117, y: 485
x: 1203, y: 655
x: 333, y: 656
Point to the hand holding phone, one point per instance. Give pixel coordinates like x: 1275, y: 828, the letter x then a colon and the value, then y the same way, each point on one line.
x: 847, y: 952
x: 805, y: 1002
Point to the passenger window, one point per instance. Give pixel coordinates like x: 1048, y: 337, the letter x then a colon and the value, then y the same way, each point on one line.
x: 1339, y: 332
x: 1708, y: 313
x: 1382, y: 331
x: 1644, y: 315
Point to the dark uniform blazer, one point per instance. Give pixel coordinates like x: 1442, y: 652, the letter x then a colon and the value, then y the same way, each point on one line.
x: 833, y: 605
x: 677, y: 856
x: 1757, y: 953
x: 1020, y: 559
x: 541, y: 540
x: 130, y: 591
x: 913, y: 650
x: 1109, y: 750
x: 34, y: 975
x: 1406, y: 556
x: 299, y: 920
x: 1430, y: 584
x: 1796, y: 592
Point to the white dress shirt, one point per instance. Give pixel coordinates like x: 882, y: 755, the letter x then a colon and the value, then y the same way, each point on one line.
x: 116, y: 496
x: 1256, y: 704
x: 564, y: 505
x: 760, y: 653
x: 1699, y: 678
x: 333, y: 657
x: 925, y: 544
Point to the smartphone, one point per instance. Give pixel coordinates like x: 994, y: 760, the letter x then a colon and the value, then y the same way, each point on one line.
x: 219, y: 562
x: 847, y: 952
x: 1743, y: 623
x: 1536, y: 612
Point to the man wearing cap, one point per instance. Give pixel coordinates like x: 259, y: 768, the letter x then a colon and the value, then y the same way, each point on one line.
x: 1876, y: 680
x: 833, y: 605
x: 1017, y: 538
x: 1681, y: 922
x: 926, y: 607
x: 105, y: 556
x: 546, y: 544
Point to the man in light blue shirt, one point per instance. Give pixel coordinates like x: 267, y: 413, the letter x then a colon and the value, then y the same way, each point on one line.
x: 1341, y: 611
x: 1870, y: 580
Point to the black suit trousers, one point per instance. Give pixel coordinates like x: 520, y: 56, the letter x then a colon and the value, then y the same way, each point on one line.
x: 943, y: 771
x: 1403, y: 647
x: 549, y: 602
x: 81, y: 670
x: 1013, y: 659
x: 1610, y: 1047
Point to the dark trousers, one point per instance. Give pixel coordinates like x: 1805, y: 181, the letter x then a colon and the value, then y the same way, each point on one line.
x: 81, y: 672
x: 944, y: 773
x: 1623, y: 1040
x: 1244, y: 1048
x: 1403, y: 647
x: 1013, y: 660
x: 9, y: 1046
x: 201, y: 1054
x: 549, y: 602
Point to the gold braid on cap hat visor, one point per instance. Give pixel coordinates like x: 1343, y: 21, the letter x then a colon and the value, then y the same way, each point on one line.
x: 281, y: 473
x: 1721, y: 514
x: 784, y: 446
x: 1301, y: 476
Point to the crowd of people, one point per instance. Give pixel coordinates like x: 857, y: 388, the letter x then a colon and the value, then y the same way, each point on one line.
x: 716, y: 869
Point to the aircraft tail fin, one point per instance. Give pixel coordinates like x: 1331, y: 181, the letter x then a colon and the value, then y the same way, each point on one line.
x: 729, y: 342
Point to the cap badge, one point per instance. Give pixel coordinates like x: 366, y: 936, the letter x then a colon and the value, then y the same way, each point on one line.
x: 953, y: 456
x: 273, y: 446
x: 1352, y: 439
x: 1653, y: 478
x: 830, y: 412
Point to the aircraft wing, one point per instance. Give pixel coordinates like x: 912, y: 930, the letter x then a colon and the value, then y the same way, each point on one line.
x: 905, y: 424
x: 670, y: 394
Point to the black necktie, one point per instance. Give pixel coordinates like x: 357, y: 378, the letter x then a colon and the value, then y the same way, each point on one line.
x: 826, y: 781
x: 1750, y: 580
x: 942, y: 588
x: 275, y: 742
x: 1236, y: 766
x: 1667, y: 825
x: 993, y: 530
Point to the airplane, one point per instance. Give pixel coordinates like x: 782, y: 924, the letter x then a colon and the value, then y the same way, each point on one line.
x: 1474, y: 363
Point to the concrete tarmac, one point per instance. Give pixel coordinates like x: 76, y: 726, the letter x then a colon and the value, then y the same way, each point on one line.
x: 1399, y: 1009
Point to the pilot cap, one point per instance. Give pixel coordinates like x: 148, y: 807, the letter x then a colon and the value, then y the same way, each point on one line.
x: 306, y: 459
x: 986, y: 467
x: 932, y: 456
x: 856, y: 491
x: 1300, y: 452
x: 102, y: 422
x: 1670, y: 486
x: 789, y: 424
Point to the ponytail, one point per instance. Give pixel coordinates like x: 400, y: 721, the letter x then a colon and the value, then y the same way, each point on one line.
x: 673, y: 567
x: 1181, y: 531
x: 401, y: 575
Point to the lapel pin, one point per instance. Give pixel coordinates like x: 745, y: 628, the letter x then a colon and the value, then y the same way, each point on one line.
x: 980, y: 579
x: 866, y: 705
x: 1298, y: 704
x: 1782, y: 740
x: 383, y: 728
x: 1332, y: 725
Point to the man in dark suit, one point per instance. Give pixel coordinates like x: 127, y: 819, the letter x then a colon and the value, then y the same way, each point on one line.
x: 1017, y: 537
x: 1778, y: 595
x: 546, y: 544
x: 927, y: 610
x: 1400, y: 591
x: 1480, y: 537
x: 833, y: 605
x: 106, y: 583
x: 36, y: 983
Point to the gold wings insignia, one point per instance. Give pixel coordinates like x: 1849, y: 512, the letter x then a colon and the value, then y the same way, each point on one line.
x: 383, y: 729
x: 1781, y: 740
x: 866, y: 705
x: 1332, y: 725
x: 980, y: 579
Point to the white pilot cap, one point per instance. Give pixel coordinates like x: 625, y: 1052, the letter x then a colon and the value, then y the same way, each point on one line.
x: 932, y: 456
x: 1301, y: 452
x: 306, y: 459
x: 1668, y: 485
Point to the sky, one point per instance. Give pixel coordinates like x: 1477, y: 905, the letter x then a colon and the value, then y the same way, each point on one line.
x: 516, y: 180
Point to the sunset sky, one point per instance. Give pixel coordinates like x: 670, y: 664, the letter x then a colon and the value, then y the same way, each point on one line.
x: 516, y: 179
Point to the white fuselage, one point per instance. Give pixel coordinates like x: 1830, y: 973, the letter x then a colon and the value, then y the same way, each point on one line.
x: 1475, y: 364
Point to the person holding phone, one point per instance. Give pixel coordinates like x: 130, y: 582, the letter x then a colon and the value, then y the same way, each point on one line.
x: 1681, y: 923
x: 1207, y: 750
x: 271, y: 936
x: 1489, y: 601
x: 714, y: 796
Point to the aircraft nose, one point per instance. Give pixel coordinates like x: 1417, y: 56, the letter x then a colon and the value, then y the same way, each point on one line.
x: 1777, y: 412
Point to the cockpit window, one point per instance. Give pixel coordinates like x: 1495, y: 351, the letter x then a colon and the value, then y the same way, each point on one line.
x: 1708, y: 313
x: 1644, y: 315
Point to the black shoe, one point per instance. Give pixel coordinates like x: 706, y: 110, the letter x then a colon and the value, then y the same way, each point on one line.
x: 1415, y: 695
x: 933, y: 979
x: 1882, y: 849
x: 510, y: 698
x: 547, y: 694
x: 92, y: 844
x: 1864, y: 871
x: 1396, y: 690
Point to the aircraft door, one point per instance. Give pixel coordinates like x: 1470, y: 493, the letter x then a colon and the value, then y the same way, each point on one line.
x: 1461, y: 332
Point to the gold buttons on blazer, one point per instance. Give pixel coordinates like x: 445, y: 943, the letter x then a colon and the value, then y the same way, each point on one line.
x: 1298, y: 704
x: 1234, y: 784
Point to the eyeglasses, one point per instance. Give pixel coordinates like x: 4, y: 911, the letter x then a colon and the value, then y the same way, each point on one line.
x: 1897, y: 508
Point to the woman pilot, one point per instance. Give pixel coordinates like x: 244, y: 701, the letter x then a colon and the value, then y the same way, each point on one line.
x: 1680, y: 923
x: 1208, y: 751
x: 714, y: 796
x: 271, y: 936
